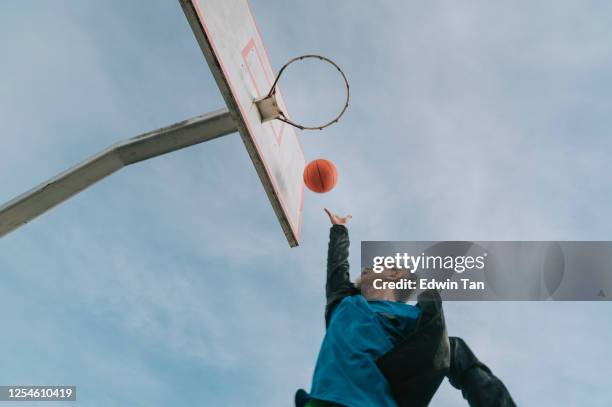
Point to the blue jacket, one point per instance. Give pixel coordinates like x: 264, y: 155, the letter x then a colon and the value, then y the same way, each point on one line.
x: 416, y: 366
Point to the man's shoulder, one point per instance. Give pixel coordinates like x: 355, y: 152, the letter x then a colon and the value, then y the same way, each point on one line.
x: 351, y: 302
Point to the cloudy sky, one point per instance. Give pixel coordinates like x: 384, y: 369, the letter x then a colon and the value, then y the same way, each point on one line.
x: 170, y: 283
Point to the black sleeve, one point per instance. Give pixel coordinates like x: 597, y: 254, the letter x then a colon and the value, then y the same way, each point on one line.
x: 338, y: 283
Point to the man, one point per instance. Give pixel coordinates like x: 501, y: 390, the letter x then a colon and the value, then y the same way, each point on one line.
x: 379, y: 351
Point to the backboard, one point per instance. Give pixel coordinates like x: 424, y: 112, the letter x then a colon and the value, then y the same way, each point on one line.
x: 232, y: 45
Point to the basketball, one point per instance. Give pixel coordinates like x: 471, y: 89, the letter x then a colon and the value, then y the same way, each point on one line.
x: 320, y: 176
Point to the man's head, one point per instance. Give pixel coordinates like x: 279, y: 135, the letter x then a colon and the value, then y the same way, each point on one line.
x: 386, y: 285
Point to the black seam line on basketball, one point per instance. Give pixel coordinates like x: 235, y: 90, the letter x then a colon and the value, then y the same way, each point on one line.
x: 309, y: 177
x: 314, y: 178
x: 320, y: 177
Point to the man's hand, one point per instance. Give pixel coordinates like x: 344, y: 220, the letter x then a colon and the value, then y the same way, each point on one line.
x: 337, y: 220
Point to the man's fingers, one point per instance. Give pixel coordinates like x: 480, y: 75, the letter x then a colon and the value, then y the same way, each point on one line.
x: 347, y: 218
x: 335, y: 219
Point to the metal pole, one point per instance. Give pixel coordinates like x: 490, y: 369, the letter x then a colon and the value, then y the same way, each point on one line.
x: 45, y: 196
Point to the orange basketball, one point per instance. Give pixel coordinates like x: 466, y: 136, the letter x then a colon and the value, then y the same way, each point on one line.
x: 320, y: 176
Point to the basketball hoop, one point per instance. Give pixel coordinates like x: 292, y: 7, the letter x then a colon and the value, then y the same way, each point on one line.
x: 268, y: 106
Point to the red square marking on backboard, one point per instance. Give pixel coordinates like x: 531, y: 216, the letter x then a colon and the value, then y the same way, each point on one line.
x: 253, y: 61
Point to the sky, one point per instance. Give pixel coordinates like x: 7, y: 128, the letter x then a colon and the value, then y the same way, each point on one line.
x: 171, y: 283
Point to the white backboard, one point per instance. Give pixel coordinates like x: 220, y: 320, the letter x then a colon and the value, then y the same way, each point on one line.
x: 232, y: 45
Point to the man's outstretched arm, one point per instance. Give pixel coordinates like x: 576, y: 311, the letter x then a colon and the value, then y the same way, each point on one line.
x: 338, y: 284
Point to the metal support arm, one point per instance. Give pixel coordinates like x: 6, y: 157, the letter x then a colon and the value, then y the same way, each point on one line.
x: 45, y: 196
